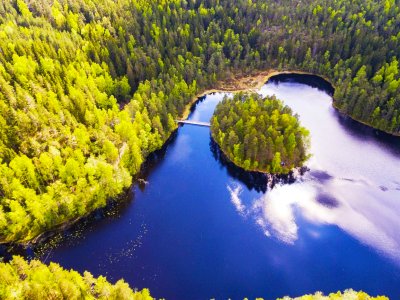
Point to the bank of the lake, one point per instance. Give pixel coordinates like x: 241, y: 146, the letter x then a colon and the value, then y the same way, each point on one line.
x: 248, y: 82
x: 254, y: 81
x: 364, y: 123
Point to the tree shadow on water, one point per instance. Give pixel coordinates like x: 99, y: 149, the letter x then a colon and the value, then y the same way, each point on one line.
x: 359, y: 131
x: 73, y: 234
x: 308, y: 79
x: 153, y: 162
x: 260, y: 182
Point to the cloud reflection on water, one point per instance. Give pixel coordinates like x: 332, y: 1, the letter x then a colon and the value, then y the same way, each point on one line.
x: 360, y: 194
x: 235, y: 199
x: 354, y: 206
x: 185, y: 149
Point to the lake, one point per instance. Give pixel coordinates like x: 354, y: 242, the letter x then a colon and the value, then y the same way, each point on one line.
x: 196, y: 227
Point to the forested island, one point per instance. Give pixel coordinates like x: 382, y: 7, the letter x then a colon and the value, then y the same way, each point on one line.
x: 260, y: 134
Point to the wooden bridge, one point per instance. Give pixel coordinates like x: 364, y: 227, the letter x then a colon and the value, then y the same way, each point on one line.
x: 198, y: 123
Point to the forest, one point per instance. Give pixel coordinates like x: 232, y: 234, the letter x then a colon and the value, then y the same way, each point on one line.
x: 89, y: 88
x: 20, y: 279
x: 260, y: 134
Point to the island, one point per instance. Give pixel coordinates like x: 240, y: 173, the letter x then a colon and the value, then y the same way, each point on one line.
x: 260, y: 133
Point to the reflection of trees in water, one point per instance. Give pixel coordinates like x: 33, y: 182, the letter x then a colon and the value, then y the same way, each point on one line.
x: 153, y: 161
x: 363, y: 133
x: 260, y: 182
x: 352, y: 127
x: 310, y: 80
x: 76, y: 232
x: 71, y: 235
x: 194, y: 106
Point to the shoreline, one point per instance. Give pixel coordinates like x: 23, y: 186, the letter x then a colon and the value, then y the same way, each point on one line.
x: 392, y: 134
x: 252, y: 82
x: 255, y: 81
x: 61, y: 227
x: 272, y: 175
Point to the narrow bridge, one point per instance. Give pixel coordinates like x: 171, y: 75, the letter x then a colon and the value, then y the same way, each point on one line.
x: 198, y: 123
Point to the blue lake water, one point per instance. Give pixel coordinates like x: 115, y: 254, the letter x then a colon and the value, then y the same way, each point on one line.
x: 201, y: 228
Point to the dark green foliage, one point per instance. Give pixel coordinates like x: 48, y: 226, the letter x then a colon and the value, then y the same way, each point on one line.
x: 259, y: 134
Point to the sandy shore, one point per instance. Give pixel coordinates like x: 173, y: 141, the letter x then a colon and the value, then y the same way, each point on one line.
x: 240, y: 83
x: 253, y: 83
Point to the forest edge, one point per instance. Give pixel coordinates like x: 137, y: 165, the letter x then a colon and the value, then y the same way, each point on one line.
x: 236, y: 83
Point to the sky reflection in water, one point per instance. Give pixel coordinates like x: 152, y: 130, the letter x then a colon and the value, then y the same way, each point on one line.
x: 348, y: 185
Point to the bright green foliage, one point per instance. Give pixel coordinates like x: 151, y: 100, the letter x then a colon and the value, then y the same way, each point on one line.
x: 346, y: 295
x: 34, y: 280
x: 259, y: 134
x: 65, y: 145
x: 88, y: 88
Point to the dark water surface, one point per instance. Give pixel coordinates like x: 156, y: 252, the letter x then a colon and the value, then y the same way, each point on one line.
x: 202, y: 229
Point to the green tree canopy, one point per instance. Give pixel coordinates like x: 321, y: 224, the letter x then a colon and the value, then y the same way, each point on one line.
x: 260, y: 134
x: 89, y: 88
x: 34, y: 280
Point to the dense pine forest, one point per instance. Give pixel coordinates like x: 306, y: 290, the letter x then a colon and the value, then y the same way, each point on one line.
x: 260, y: 134
x: 90, y: 88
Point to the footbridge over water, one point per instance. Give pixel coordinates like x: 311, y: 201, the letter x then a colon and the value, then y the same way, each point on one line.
x: 197, y: 123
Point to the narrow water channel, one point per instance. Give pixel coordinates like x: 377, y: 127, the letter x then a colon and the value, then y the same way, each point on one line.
x: 198, y: 228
